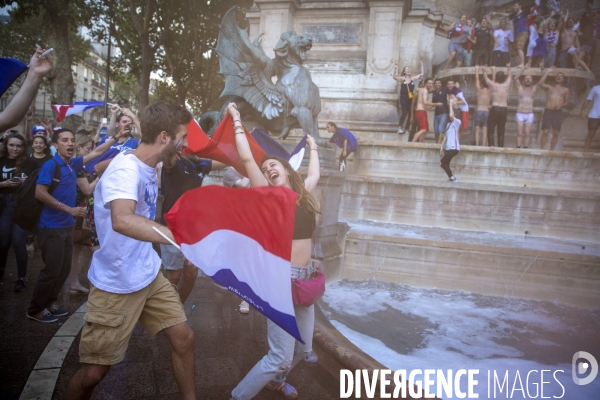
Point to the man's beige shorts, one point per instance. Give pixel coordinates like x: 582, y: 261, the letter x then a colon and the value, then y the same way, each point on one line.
x: 521, y: 40
x: 110, y: 319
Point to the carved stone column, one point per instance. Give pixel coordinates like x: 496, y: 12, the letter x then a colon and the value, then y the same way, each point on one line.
x: 276, y: 17
x: 385, y: 25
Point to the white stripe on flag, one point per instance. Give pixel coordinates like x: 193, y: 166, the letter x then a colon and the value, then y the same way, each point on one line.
x: 268, y: 276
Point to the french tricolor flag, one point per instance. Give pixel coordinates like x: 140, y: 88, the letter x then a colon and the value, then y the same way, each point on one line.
x: 78, y: 107
x: 242, y: 239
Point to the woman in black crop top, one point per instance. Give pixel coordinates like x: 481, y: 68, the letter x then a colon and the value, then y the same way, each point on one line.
x: 285, y: 351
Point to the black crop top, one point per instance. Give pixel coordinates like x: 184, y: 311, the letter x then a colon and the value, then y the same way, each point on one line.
x: 304, y: 223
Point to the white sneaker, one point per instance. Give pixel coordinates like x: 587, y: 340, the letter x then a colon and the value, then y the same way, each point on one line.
x: 453, y: 179
x: 400, y: 130
x: 342, y: 166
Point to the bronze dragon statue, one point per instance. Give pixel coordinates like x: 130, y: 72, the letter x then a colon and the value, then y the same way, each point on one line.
x: 292, y: 102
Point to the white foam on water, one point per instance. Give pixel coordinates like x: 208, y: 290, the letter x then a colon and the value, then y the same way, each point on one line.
x: 465, y: 336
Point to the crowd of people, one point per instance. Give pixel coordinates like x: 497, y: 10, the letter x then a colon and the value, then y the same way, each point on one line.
x: 558, y: 41
x: 101, y: 193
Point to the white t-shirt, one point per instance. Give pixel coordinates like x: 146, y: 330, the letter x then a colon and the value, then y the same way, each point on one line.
x: 452, y: 142
x: 123, y: 264
x: 503, y: 38
x: 595, y: 97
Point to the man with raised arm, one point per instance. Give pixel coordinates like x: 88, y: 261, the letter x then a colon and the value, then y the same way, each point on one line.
x: 557, y: 96
x: 497, y: 117
x: 17, y: 108
x: 483, y: 108
x: 420, y: 113
x: 524, y: 116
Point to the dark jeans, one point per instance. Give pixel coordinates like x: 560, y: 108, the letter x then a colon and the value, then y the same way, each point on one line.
x: 11, y: 233
x: 497, y: 118
x: 500, y: 58
x: 481, y: 57
x: 406, y: 105
x: 57, y: 250
x: 445, y: 162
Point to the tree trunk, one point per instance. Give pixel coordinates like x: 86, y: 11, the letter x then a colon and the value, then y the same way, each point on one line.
x: 63, y: 87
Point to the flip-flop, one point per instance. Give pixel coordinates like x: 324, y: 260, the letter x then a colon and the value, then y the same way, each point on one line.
x: 244, y: 307
x: 79, y: 291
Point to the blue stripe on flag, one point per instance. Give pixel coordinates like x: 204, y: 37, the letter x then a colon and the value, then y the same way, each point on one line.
x: 226, y: 278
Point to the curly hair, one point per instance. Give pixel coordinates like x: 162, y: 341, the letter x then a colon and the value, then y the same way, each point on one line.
x: 21, y: 157
x: 305, y: 199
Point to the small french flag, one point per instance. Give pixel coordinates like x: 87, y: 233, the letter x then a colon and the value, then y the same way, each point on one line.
x: 242, y: 239
x: 78, y: 107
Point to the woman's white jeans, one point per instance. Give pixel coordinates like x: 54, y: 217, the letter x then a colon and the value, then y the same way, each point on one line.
x: 284, y: 353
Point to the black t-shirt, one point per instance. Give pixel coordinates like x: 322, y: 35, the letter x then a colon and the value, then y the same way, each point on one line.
x: 485, y: 39
x: 440, y: 97
x: 8, y: 170
x: 185, y: 175
x: 40, y: 161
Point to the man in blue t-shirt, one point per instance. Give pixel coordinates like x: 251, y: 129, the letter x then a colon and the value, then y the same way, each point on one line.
x: 520, y: 28
x: 344, y: 139
x: 56, y: 223
x: 126, y: 143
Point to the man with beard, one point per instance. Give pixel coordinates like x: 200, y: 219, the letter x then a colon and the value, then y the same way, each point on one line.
x: 126, y: 283
x: 524, y: 116
x: 557, y: 96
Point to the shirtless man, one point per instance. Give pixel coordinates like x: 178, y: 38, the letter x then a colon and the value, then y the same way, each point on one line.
x: 557, y: 96
x: 483, y: 108
x: 569, y: 44
x: 497, y: 117
x: 420, y: 113
x: 524, y: 116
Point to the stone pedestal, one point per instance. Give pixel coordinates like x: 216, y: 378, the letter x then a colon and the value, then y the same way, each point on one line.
x: 355, y: 46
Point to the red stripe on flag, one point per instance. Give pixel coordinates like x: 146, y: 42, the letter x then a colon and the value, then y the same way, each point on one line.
x: 61, y: 110
x: 265, y: 214
x: 222, y: 145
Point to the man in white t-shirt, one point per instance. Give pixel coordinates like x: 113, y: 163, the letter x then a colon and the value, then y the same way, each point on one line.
x: 126, y: 286
x: 501, y: 55
x: 450, y: 145
x: 593, y: 116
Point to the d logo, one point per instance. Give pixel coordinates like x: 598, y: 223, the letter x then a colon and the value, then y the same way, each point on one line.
x: 583, y: 367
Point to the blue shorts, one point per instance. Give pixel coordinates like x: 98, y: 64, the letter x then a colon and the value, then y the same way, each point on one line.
x: 459, y: 49
x: 481, y: 118
x: 585, y: 48
x: 172, y: 257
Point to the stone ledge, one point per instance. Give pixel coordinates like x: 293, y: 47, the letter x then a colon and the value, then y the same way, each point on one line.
x: 593, y: 193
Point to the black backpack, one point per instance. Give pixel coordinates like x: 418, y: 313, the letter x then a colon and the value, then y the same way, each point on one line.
x: 28, y: 208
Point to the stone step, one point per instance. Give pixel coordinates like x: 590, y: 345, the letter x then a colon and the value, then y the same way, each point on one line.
x: 487, y: 263
x: 490, y: 165
x: 481, y: 207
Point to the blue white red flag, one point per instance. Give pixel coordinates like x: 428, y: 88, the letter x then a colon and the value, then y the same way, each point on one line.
x: 78, y: 107
x: 242, y: 239
x: 274, y: 148
x: 10, y: 70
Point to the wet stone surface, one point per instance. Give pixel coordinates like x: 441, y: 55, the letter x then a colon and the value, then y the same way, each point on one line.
x: 227, y: 345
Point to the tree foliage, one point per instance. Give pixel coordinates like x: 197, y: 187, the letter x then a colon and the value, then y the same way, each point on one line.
x: 187, y: 57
